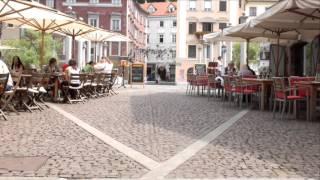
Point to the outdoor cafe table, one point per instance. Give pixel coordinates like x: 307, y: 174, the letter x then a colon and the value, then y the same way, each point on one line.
x: 313, y: 87
x: 265, y: 84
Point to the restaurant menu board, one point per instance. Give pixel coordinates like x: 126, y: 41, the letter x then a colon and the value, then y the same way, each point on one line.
x: 137, y: 73
x: 200, y: 68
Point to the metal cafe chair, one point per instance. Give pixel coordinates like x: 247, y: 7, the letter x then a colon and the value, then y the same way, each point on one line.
x: 7, y: 98
x: 3, y: 84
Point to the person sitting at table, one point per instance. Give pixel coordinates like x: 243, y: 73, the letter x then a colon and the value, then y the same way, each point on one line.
x: 4, y: 70
x: 72, y: 69
x: 100, y: 66
x: 230, y: 69
x: 108, y: 66
x: 244, y: 71
x: 89, y: 68
x: 52, y: 67
x: 16, y: 66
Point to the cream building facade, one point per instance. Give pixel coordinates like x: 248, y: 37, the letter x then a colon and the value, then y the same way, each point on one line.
x: 196, y: 18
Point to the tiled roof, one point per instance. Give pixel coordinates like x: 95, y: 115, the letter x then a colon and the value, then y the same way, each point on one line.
x: 161, y: 8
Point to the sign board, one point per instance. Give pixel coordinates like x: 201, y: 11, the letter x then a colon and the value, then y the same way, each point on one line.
x: 200, y: 68
x: 137, y: 73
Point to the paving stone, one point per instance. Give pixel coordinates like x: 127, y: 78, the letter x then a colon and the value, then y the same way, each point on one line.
x: 258, y: 146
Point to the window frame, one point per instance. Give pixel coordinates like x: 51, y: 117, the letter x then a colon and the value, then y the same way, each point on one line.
x: 189, y: 52
x: 192, y: 2
x: 221, y: 7
x: 191, y: 28
x: 253, y: 11
x: 161, y: 38
x: 114, y: 18
x: 206, y: 8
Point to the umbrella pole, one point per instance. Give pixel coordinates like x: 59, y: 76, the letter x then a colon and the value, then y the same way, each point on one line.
x: 73, y: 46
x: 278, y: 55
x: 95, y: 51
x: 42, y: 49
x: 247, y: 53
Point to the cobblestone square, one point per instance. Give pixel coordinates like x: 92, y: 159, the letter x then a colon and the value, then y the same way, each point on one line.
x: 161, y: 123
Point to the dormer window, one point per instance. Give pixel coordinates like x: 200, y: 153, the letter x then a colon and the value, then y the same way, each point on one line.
x: 171, y: 8
x: 151, y: 9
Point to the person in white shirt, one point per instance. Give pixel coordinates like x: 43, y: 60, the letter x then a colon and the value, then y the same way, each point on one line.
x: 100, y: 66
x: 72, y: 69
x: 108, y: 66
x: 4, y: 70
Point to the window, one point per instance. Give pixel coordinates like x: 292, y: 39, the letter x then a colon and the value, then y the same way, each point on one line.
x: 223, y: 5
x: 174, y: 23
x: 207, y: 5
x: 174, y: 54
x: 192, y: 51
x: 94, y: 1
x: 207, y: 27
x: 161, y: 38
x: 148, y: 37
x: 171, y: 9
x: 208, y: 52
x: 93, y: 20
x: 192, y: 27
x: 253, y: 11
x: 192, y: 5
x: 116, y: 2
x: 116, y: 23
x: 174, y: 38
x: 71, y: 1
x: 222, y: 25
x: 161, y: 23
x: 50, y: 3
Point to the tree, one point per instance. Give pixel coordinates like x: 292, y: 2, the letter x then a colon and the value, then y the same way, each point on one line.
x: 254, y: 49
x: 29, y: 48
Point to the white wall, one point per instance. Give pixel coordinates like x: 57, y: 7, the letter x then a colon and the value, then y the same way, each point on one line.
x: 182, y: 29
x: 154, y: 32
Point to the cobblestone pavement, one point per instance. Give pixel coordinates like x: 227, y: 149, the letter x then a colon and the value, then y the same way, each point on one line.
x: 257, y: 146
x: 158, y: 121
x: 71, y: 151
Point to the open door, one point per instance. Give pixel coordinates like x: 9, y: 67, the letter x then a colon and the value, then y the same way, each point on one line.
x: 297, y: 58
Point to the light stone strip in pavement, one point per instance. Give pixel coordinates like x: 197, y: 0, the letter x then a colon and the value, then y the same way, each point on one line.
x: 171, y: 164
x: 133, y: 154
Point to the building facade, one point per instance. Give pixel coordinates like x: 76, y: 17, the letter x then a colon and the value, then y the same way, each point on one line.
x: 196, y: 18
x: 137, y: 26
x: 161, y: 41
x: 105, y: 14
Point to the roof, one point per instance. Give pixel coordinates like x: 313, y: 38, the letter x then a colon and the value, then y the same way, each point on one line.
x: 161, y: 8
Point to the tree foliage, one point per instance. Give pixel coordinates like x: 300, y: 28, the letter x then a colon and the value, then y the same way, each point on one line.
x: 254, y: 49
x: 28, y: 48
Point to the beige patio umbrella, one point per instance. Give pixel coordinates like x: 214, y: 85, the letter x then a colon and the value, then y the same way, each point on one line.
x: 34, y: 16
x: 75, y: 29
x: 117, y: 37
x: 300, y: 17
x: 248, y: 33
x: 98, y: 36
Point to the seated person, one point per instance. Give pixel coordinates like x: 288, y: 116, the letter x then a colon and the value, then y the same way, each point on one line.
x: 4, y: 70
x: 52, y: 67
x: 89, y: 68
x: 16, y: 66
x: 72, y: 69
x: 244, y: 71
x: 100, y: 66
x: 108, y: 66
x: 230, y: 69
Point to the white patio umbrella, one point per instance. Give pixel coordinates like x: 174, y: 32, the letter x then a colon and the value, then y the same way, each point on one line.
x: 34, y: 16
x: 98, y: 36
x: 118, y: 38
x: 248, y: 33
x: 74, y: 29
x: 299, y: 17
